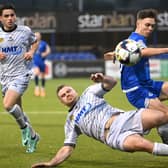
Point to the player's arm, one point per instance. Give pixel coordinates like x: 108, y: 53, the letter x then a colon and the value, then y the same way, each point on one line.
x: 2, y: 56
x: 29, y: 55
x: 108, y: 81
x: 63, y: 154
x: 110, y: 56
x: 47, y: 51
x: 147, y: 52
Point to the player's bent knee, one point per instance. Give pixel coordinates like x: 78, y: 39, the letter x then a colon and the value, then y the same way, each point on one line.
x: 7, y: 106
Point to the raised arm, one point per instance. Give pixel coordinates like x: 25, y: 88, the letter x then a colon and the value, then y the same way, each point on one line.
x: 147, y: 52
x: 107, y: 81
x: 63, y: 154
x: 110, y: 56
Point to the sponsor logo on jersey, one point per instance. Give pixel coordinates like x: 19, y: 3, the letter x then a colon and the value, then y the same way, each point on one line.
x: 10, y: 39
x: 12, y: 50
x: 85, y: 109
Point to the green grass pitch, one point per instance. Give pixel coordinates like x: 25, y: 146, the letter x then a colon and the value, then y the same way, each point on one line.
x: 47, y: 116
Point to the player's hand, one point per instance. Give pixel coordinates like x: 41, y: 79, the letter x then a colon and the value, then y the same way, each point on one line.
x: 110, y: 56
x: 97, y: 77
x: 2, y: 56
x: 28, y: 55
x: 42, y: 164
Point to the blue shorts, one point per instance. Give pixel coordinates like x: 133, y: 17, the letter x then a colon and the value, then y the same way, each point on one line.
x: 41, y: 65
x: 39, y: 61
x: 141, y: 96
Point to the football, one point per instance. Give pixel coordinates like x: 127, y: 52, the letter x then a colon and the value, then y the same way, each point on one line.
x: 128, y: 52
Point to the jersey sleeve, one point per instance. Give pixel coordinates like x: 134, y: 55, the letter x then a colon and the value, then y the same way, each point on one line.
x: 97, y: 89
x: 141, y: 44
x: 32, y: 37
x: 71, y: 134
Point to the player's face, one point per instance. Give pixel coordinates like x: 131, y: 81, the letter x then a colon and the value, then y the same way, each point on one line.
x: 68, y: 96
x: 8, y: 19
x: 38, y: 36
x: 146, y: 26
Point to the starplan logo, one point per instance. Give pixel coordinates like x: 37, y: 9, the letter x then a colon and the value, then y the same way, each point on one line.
x: 115, y: 21
x: 46, y: 22
x: 105, y: 21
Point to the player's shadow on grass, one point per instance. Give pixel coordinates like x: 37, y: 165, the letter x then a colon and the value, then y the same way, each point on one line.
x: 115, y: 164
x: 93, y: 164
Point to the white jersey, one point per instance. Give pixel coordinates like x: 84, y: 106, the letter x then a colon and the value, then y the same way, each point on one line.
x: 89, y: 115
x: 14, y: 44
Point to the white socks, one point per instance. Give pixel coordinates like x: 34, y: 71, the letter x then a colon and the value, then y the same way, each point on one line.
x: 21, y: 118
x: 17, y: 113
x: 160, y: 149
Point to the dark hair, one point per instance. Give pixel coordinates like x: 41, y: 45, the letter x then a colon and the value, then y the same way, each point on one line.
x: 59, y: 88
x: 147, y: 13
x: 7, y: 6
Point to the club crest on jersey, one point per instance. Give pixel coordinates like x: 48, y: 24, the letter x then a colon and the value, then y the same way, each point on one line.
x: 71, y: 117
x: 13, y: 50
x: 85, y: 109
x: 1, y: 39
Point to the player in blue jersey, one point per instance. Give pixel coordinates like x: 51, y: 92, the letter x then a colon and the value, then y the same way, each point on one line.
x: 140, y: 89
x: 91, y: 115
x: 17, y: 46
x: 39, y: 65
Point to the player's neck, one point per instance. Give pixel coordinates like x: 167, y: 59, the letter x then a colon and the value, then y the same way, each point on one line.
x: 73, y: 104
x: 6, y: 29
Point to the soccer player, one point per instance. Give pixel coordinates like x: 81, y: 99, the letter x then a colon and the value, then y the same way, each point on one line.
x: 17, y: 46
x: 91, y: 115
x: 136, y: 83
x: 39, y: 65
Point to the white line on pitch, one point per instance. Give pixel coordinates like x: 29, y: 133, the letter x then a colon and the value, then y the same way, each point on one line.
x: 46, y: 112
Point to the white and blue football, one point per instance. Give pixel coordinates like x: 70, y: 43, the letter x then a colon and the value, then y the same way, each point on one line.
x: 128, y: 52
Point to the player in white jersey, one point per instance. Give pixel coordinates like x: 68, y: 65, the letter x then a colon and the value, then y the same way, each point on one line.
x: 91, y: 115
x: 17, y: 46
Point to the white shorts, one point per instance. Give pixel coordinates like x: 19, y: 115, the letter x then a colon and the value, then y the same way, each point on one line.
x: 18, y: 83
x: 125, y: 124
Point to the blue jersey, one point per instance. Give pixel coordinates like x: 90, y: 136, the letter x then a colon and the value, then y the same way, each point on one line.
x: 38, y: 60
x: 138, y: 75
x: 41, y: 48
